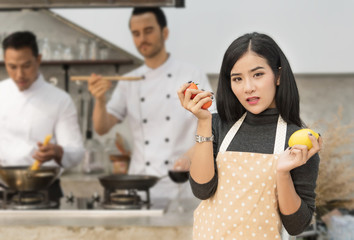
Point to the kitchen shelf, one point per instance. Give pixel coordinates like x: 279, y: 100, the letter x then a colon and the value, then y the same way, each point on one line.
x: 39, y: 4
x: 88, y: 62
x: 66, y: 64
x: 84, y: 62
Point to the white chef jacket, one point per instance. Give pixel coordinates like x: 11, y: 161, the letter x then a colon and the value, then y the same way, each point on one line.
x: 162, y: 129
x: 27, y: 117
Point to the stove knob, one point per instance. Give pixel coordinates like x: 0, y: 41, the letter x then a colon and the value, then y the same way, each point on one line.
x: 70, y: 198
x: 96, y: 197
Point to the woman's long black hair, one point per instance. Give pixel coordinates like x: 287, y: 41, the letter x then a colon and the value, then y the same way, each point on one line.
x: 287, y: 95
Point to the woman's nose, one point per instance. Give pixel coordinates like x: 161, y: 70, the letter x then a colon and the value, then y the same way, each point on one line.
x: 249, y: 86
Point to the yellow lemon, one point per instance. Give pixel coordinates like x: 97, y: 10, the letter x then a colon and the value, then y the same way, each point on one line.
x: 301, y: 137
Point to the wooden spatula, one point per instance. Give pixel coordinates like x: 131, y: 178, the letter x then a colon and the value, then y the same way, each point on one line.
x: 109, y: 78
x: 35, y: 166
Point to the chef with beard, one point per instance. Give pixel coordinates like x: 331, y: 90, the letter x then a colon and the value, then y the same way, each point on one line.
x: 163, y: 133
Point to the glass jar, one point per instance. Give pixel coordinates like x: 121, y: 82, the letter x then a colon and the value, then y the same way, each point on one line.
x: 82, y: 51
x: 93, y: 50
x: 93, y: 159
x: 119, y: 160
x: 46, y: 51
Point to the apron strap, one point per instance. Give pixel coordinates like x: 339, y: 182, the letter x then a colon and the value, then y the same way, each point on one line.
x: 280, y: 135
x: 231, y: 133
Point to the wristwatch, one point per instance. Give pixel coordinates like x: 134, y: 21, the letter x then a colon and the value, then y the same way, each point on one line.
x: 200, y: 139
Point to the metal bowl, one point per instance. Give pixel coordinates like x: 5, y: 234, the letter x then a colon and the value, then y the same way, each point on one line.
x: 21, y: 178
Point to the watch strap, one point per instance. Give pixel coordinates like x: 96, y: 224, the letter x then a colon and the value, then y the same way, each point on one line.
x: 200, y: 139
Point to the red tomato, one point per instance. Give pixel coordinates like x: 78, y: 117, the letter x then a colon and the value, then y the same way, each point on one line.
x: 191, y: 86
x: 194, y: 86
x: 207, y: 105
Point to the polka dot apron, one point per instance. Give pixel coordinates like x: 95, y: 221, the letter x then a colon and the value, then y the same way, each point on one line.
x: 244, y: 205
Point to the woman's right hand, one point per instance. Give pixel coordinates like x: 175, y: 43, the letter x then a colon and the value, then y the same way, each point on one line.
x: 98, y: 87
x: 195, y: 105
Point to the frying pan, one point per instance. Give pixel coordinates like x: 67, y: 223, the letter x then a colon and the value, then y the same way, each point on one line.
x: 122, y: 181
x: 20, y: 178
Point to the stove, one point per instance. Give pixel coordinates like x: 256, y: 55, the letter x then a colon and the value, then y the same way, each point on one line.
x: 115, y: 202
x: 26, y: 200
x: 126, y: 199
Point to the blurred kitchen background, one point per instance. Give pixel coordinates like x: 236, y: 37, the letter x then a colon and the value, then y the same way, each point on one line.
x: 317, y: 37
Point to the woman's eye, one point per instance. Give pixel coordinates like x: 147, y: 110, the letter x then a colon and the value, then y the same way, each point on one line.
x: 237, y: 79
x: 258, y: 74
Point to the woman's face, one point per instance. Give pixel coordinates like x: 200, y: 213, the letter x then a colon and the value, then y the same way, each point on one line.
x: 253, y: 83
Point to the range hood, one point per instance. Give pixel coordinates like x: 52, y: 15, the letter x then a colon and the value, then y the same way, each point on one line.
x: 39, y: 4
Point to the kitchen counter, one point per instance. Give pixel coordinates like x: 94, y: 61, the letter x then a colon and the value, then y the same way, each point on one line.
x: 108, y: 218
x: 97, y: 224
x: 69, y: 224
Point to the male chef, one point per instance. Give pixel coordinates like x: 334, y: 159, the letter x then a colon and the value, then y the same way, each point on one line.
x: 30, y: 109
x: 162, y: 131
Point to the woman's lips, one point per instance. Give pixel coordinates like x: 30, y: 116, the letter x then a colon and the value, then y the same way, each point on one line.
x: 252, y: 100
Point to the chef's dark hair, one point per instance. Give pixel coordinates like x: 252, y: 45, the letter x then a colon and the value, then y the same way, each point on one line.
x: 160, y: 16
x: 286, y: 97
x: 19, y: 40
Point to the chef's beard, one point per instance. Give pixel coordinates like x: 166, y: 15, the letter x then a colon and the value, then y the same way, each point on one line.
x: 23, y: 84
x: 155, y: 48
x: 151, y: 54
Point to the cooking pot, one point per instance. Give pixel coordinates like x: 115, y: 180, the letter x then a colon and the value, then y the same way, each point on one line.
x: 21, y: 178
x: 123, y: 181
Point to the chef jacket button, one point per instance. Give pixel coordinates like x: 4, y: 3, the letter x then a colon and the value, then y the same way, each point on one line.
x: 167, y: 162
x: 168, y: 118
x: 169, y: 75
x: 147, y: 163
x: 167, y: 139
x: 142, y: 99
x: 146, y: 142
x: 168, y: 96
x: 145, y: 120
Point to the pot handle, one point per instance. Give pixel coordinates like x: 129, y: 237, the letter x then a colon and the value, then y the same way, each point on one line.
x: 164, y: 176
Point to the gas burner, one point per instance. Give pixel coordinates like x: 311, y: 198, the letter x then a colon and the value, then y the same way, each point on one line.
x: 124, y: 199
x: 122, y: 206
x: 16, y: 206
x: 27, y: 200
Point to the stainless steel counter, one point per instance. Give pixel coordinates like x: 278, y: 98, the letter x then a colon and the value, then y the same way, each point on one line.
x: 104, y: 218
x: 98, y: 224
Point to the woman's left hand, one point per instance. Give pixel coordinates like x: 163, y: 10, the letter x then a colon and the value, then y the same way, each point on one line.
x: 298, y: 155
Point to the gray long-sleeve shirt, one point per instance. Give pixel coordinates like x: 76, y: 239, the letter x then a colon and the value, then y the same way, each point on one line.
x: 257, y: 134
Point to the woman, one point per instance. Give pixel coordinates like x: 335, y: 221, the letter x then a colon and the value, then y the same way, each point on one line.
x: 251, y: 185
